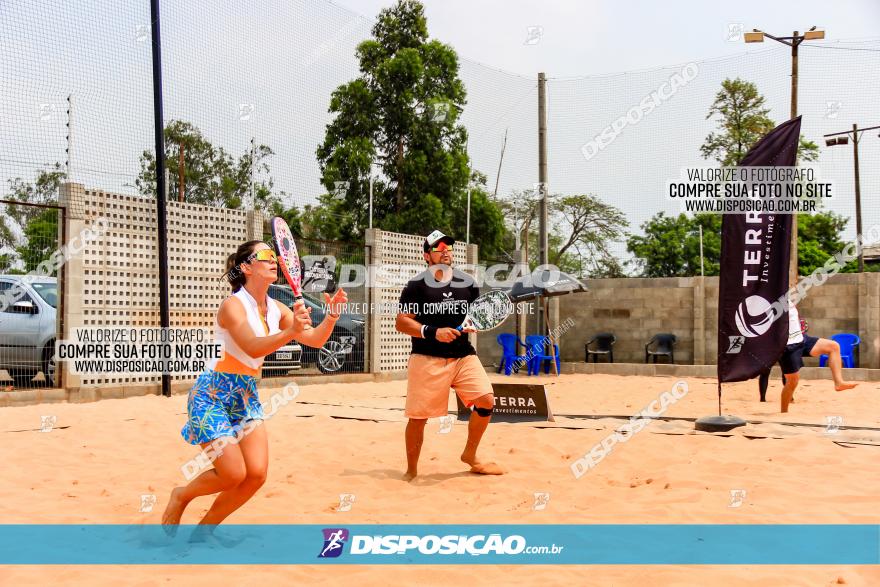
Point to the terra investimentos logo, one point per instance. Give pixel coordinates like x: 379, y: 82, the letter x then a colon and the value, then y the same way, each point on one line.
x: 754, y: 316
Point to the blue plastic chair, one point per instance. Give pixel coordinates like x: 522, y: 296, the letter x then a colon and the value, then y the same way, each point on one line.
x: 536, y: 346
x: 510, y: 359
x: 848, y: 343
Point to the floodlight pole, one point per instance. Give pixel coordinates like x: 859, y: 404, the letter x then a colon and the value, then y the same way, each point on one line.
x: 855, y: 138
x: 794, y: 42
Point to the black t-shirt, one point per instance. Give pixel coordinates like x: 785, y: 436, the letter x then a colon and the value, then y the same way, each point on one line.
x: 443, y: 305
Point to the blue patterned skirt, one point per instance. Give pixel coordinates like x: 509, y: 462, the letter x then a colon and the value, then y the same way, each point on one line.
x: 218, y: 405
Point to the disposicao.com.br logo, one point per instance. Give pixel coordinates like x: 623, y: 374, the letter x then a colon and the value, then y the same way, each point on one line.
x: 453, y: 544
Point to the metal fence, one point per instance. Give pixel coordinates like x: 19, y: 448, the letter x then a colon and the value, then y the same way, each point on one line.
x: 346, y: 351
x: 31, y: 315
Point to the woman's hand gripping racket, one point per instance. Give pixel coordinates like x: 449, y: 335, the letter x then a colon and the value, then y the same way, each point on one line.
x: 488, y: 311
x: 288, y: 256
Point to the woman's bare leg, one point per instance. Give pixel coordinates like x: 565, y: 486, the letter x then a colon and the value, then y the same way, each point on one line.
x: 228, y: 472
x: 254, y: 448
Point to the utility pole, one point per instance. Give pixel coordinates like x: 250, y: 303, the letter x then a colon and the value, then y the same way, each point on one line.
x: 855, y: 132
x: 542, y: 182
x: 841, y: 138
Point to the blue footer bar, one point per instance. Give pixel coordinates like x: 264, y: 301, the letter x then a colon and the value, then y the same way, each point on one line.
x: 605, y: 544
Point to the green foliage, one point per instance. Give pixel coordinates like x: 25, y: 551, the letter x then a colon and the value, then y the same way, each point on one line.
x: 292, y: 216
x: 43, y: 190
x: 819, y: 237
x: 211, y: 176
x: 401, y: 115
x: 586, y: 226
x: 742, y: 122
x: 671, y: 245
x: 30, y: 230
x: 582, y: 228
x: 41, y: 239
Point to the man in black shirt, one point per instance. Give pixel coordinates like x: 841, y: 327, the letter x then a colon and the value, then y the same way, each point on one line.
x: 433, y: 304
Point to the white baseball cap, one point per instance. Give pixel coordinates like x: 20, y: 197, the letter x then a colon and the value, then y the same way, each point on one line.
x: 435, y: 237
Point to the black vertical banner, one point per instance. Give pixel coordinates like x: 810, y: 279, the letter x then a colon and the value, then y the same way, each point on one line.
x: 755, y: 254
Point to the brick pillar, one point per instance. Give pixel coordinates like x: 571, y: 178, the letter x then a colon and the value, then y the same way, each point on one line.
x: 255, y: 222
x: 71, y: 196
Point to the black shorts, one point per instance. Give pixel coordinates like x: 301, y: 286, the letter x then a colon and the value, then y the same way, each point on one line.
x: 793, y: 358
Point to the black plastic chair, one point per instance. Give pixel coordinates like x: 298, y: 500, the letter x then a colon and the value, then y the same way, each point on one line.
x: 604, y: 342
x: 664, y: 345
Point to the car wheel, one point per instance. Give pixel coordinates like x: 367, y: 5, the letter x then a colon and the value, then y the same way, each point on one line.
x: 331, y: 357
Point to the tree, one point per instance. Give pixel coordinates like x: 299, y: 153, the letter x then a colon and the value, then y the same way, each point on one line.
x: 401, y: 114
x: 43, y: 190
x: 743, y: 122
x: 581, y: 229
x: 671, y: 245
x: 31, y: 230
x: 212, y: 176
x: 587, y: 226
x: 40, y: 239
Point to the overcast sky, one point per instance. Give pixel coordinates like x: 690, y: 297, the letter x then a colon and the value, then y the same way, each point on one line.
x: 265, y: 70
x: 587, y: 37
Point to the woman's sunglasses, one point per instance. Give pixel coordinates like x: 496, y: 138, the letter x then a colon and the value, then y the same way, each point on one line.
x: 267, y: 255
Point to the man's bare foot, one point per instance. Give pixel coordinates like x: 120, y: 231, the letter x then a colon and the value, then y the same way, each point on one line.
x: 482, y: 468
x: 410, y: 475
x: 843, y: 386
x: 486, y: 469
x: 173, y: 511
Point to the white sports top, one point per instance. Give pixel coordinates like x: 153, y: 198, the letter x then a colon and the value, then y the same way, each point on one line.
x: 794, y: 325
x: 273, y: 320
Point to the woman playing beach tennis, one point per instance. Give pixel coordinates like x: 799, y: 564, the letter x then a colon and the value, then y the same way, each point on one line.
x: 224, y: 398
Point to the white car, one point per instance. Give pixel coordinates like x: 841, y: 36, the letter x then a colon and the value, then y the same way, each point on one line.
x: 28, y: 325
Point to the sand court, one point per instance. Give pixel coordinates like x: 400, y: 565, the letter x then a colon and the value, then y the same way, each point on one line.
x: 100, y: 458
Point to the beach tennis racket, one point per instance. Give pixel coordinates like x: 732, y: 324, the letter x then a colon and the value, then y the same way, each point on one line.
x: 287, y: 255
x: 488, y: 311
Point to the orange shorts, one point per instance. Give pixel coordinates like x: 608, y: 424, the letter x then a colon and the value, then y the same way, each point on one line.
x: 430, y: 378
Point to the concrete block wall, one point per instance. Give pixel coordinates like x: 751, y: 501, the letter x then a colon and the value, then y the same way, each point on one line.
x: 634, y: 309
x: 114, y: 282
x: 396, y: 257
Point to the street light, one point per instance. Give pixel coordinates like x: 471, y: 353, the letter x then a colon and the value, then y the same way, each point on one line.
x: 842, y: 138
x: 794, y: 42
